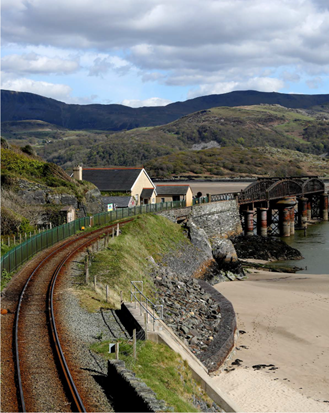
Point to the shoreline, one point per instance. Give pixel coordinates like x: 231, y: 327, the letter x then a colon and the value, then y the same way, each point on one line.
x: 282, y: 319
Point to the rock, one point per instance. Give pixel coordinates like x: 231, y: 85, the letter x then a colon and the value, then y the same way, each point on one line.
x: 223, y: 251
x: 199, y: 238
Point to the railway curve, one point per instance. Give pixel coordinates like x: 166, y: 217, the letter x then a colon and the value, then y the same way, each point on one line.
x: 31, y: 354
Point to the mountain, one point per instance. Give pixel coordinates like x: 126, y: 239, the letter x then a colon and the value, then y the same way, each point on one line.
x: 18, y: 106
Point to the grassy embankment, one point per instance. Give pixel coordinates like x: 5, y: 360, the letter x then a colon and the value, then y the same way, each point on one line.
x: 126, y: 259
x: 163, y: 370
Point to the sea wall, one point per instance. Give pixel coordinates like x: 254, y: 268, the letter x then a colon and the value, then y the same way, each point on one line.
x: 218, y: 219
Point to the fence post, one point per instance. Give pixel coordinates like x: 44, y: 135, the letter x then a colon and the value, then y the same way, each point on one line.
x: 14, y: 239
x: 8, y: 241
x: 20, y: 238
x: 86, y: 269
x: 118, y: 229
x: 113, y: 235
x: 107, y: 293
x: 134, y: 343
x: 117, y: 351
x: 95, y: 281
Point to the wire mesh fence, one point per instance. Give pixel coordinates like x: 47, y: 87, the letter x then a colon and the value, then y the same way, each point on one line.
x: 36, y: 243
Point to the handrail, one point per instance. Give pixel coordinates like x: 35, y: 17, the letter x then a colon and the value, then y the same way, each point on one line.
x: 153, y: 306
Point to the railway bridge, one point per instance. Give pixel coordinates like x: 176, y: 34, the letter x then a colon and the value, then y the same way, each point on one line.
x: 277, y: 205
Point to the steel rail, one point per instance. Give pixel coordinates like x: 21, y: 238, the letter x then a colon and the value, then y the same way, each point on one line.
x: 70, y: 382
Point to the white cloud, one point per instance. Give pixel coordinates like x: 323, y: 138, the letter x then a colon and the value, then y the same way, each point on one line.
x: 135, y: 103
x: 33, y: 63
x: 56, y: 91
x: 261, y: 84
x: 207, y: 45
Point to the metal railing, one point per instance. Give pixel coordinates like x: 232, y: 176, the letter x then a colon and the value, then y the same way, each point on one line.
x: 145, y: 303
x: 24, y: 251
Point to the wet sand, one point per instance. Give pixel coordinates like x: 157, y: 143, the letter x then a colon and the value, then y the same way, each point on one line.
x: 211, y: 187
x: 286, y: 322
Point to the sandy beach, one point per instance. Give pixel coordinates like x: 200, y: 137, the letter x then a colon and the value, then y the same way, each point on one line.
x: 285, y: 318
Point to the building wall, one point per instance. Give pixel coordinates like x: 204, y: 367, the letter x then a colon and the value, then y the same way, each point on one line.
x: 189, y: 197
x: 142, y: 182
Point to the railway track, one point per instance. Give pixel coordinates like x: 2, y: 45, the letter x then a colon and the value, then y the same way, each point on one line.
x: 43, y: 376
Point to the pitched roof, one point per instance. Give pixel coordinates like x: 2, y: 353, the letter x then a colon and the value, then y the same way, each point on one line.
x: 112, y: 179
x: 119, y: 201
x: 172, y: 189
x: 147, y: 193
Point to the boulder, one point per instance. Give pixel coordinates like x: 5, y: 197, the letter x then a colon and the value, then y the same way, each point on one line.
x: 223, y: 251
x: 199, y: 238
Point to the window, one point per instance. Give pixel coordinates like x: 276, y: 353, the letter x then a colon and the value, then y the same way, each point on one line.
x: 162, y: 200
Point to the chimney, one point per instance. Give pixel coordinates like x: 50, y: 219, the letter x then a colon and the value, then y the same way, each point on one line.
x: 77, y: 173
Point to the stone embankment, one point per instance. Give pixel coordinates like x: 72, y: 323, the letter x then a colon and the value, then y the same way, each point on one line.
x: 197, y: 313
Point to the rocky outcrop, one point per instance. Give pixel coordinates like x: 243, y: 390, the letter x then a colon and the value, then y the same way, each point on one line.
x: 199, y: 238
x: 261, y: 248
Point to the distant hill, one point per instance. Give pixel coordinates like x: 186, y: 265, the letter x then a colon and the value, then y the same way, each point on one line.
x: 249, y: 126
x: 18, y: 106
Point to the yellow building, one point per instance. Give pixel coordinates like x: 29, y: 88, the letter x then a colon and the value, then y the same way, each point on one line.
x: 166, y: 193
x: 133, y: 182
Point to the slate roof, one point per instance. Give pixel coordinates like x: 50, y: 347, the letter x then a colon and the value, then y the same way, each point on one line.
x: 119, y: 201
x: 172, y: 189
x: 111, y: 179
x: 147, y: 193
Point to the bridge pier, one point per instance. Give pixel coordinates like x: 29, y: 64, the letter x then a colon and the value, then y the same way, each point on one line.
x: 284, y: 222
x: 262, y: 222
x: 309, y: 209
x: 302, y: 212
x: 292, y: 221
x: 249, y: 223
x: 324, y: 207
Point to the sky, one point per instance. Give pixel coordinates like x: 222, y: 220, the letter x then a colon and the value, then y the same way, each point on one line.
x: 154, y: 52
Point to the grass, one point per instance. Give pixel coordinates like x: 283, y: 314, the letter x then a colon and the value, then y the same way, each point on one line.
x: 163, y: 370
x: 127, y: 258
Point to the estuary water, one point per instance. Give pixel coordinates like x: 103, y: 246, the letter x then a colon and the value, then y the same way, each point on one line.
x: 314, y: 247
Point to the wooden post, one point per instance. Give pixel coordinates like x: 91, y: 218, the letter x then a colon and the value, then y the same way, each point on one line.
x: 134, y: 343
x: 117, y: 351
x: 107, y: 293
x: 113, y: 234
x: 20, y: 238
x: 8, y: 241
x: 95, y: 281
x: 118, y: 229
x: 86, y: 269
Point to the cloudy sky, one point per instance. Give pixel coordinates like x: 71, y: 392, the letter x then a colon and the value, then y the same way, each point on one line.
x: 153, y: 52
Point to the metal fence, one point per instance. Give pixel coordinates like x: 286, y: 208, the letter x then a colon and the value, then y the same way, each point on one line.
x: 24, y: 251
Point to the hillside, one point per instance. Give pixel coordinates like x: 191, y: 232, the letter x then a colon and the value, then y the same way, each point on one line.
x: 250, y: 126
x: 34, y: 191
x: 17, y: 106
x: 237, y: 162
